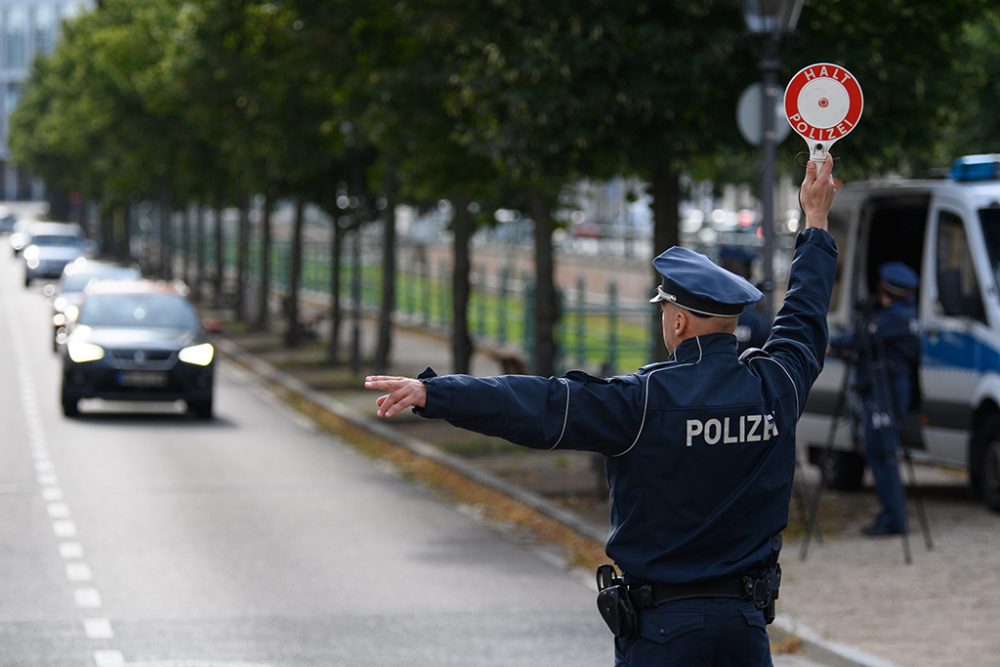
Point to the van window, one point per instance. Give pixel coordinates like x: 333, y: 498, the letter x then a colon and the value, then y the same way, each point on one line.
x: 990, y: 220
x: 895, y: 233
x: 958, y: 289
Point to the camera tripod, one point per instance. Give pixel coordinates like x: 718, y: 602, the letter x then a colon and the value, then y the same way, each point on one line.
x: 884, y: 416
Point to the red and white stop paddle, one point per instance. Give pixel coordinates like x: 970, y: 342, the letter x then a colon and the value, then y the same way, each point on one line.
x: 823, y: 103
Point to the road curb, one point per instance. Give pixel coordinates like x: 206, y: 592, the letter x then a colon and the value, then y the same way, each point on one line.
x: 832, y: 654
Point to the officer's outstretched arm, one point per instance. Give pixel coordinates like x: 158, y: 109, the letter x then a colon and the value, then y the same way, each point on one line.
x: 579, y: 412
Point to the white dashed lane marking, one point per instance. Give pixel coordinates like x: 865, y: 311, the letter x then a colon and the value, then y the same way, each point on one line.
x: 71, y: 550
x: 98, y: 628
x: 64, y: 528
x: 77, y: 570
x: 87, y: 598
x: 109, y: 659
x: 58, y: 511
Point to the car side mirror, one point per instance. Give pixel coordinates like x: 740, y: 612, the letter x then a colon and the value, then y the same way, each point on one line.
x: 212, y: 326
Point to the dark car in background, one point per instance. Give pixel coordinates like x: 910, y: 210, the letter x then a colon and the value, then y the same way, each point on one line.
x: 68, y: 292
x: 138, y: 341
x: 7, y: 222
x: 51, y: 247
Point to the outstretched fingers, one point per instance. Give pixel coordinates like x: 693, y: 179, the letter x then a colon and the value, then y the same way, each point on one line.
x: 402, y: 393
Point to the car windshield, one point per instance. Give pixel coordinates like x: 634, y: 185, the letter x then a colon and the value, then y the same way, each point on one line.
x: 77, y: 281
x: 55, y: 240
x: 990, y: 219
x: 151, y: 311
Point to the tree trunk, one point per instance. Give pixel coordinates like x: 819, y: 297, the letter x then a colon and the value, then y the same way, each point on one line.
x: 293, y: 332
x: 264, y: 288
x: 166, y: 231
x: 122, y: 249
x: 242, y: 259
x: 220, y: 260
x: 461, y: 341
x: 666, y: 223
x: 186, y: 244
x: 107, y: 231
x: 383, y: 348
x: 199, y: 249
x: 336, y: 312
x: 546, y: 307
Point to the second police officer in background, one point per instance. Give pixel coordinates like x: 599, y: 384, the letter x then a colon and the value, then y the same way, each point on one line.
x: 752, y: 326
x: 886, y: 351
x: 699, y: 450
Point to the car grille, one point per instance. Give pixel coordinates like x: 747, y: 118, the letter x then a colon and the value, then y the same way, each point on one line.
x: 133, y: 359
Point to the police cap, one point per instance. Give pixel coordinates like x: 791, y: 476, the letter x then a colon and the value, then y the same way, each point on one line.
x: 693, y: 282
x: 898, y: 278
x: 733, y: 254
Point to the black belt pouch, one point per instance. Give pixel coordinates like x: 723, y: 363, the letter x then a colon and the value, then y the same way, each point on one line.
x: 618, y: 612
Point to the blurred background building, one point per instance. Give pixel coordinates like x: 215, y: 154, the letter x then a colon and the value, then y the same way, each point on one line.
x: 27, y: 28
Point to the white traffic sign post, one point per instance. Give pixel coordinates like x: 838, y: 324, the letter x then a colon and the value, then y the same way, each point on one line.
x: 823, y: 103
x: 750, y: 115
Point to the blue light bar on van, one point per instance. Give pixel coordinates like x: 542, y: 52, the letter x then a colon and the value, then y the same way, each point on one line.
x: 976, y: 168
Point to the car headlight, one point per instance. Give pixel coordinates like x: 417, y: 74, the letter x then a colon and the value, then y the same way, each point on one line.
x: 31, y: 253
x: 199, y: 355
x: 81, y: 352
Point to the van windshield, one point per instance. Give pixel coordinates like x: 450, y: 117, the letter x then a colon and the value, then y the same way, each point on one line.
x: 990, y: 219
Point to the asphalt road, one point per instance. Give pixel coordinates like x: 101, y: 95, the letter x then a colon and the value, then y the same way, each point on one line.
x: 138, y: 535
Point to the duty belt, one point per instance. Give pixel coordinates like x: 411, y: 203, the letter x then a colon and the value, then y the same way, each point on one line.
x: 760, y: 590
x: 647, y: 596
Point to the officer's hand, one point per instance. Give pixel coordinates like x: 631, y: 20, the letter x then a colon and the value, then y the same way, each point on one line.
x: 816, y: 194
x: 403, y: 393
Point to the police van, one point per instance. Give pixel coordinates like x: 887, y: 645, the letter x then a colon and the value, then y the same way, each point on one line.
x: 948, y: 231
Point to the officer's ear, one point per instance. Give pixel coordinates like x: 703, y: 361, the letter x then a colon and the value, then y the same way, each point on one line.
x: 681, y: 322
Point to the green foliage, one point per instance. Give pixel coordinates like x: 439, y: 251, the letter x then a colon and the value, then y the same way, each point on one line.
x: 909, y: 58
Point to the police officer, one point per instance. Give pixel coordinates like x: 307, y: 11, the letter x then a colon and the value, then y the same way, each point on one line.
x: 699, y: 450
x: 752, y: 326
x: 887, y: 351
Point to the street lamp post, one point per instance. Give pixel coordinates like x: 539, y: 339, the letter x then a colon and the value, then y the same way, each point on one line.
x: 768, y: 21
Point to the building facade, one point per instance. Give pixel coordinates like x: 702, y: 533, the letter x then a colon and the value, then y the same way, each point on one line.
x: 27, y: 28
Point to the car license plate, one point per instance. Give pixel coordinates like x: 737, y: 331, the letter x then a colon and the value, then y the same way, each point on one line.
x: 142, y: 379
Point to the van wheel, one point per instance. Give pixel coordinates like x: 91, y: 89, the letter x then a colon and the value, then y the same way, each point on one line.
x: 984, y: 462
x: 843, y: 471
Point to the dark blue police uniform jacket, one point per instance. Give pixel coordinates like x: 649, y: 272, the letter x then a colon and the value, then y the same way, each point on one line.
x: 700, y: 450
x: 892, y: 332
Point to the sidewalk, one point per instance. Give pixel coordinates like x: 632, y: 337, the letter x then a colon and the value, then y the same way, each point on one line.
x: 853, y: 600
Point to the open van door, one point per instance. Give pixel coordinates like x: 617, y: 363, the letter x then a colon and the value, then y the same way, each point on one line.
x: 955, y: 333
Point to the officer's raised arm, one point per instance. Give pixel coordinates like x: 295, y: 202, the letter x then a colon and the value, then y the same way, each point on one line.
x: 799, y: 335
